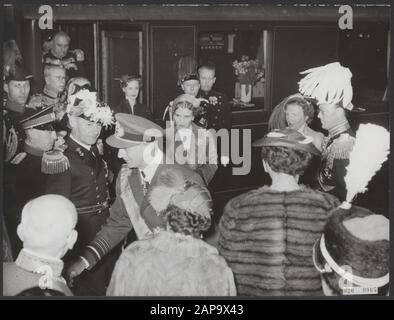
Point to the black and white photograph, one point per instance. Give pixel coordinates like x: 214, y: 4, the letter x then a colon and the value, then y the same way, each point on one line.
x: 196, y: 150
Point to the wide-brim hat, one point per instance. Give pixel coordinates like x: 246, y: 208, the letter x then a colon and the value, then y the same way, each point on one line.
x: 289, y: 138
x: 38, y: 119
x: 131, y: 130
x: 355, y: 245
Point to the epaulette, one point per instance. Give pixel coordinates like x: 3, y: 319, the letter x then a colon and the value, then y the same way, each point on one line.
x: 341, y: 147
x: 55, y: 161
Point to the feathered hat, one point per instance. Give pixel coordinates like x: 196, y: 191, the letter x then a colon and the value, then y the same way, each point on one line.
x: 84, y: 104
x: 330, y: 84
x: 355, y: 242
x: 173, y: 189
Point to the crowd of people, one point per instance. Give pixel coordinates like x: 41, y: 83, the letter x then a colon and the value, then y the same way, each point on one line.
x: 102, y: 200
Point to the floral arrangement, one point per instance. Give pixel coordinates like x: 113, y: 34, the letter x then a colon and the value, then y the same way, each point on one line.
x: 248, y: 70
x: 84, y: 104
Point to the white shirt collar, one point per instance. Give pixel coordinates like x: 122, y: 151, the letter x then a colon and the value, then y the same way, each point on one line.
x: 80, y: 143
x: 150, y: 170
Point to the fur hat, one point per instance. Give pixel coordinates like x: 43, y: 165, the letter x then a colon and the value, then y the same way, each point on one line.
x: 355, y: 246
x: 173, y: 189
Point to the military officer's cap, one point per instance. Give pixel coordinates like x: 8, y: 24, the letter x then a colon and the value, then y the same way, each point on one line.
x: 289, y: 138
x: 131, y: 130
x: 19, y: 74
x: 39, y: 119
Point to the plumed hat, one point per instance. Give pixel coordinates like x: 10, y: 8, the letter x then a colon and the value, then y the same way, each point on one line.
x: 84, y: 104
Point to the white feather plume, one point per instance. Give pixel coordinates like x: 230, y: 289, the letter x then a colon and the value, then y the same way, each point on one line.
x: 370, y: 150
x: 327, y: 84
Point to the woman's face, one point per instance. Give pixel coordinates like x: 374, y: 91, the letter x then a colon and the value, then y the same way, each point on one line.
x: 183, y: 118
x: 132, y: 89
x: 295, y: 116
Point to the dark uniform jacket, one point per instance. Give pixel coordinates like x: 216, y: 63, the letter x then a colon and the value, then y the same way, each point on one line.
x: 335, y: 158
x: 139, y: 109
x: 13, y: 135
x: 131, y: 209
x: 74, y: 67
x: 217, y: 113
x: 84, y: 183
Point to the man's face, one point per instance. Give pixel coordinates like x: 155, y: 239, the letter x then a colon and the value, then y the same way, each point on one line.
x: 329, y: 115
x: 132, y: 89
x: 55, y: 81
x: 134, y: 156
x: 84, y: 130
x: 191, y: 87
x: 60, y: 46
x: 18, y: 91
x: 207, y: 79
x: 41, y: 139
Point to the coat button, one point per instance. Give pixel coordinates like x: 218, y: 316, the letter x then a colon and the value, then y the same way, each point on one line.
x: 91, y: 173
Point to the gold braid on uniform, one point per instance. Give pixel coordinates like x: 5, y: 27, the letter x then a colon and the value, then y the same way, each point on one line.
x: 339, y: 149
x: 54, y: 162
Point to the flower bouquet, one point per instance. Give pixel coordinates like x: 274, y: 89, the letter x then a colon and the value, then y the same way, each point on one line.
x: 248, y: 73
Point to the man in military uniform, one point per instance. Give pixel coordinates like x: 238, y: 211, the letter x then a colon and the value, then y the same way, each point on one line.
x: 83, y: 180
x: 138, y: 142
x: 47, y: 231
x: 17, y: 88
x: 53, y: 93
x: 59, y: 54
x: 24, y: 176
x: 330, y: 86
x: 216, y: 113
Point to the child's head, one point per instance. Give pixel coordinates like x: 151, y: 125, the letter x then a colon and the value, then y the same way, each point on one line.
x: 130, y: 85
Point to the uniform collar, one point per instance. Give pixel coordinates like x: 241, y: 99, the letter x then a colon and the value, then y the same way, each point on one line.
x: 16, y: 107
x: 50, y: 94
x: 33, y: 262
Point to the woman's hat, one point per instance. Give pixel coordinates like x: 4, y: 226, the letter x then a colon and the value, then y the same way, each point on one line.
x: 355, y: 245
x: 289, y: 138
x: 124, y: 79
x: 173, y: 189
x: 190, y: 76
x: 84, y: 104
